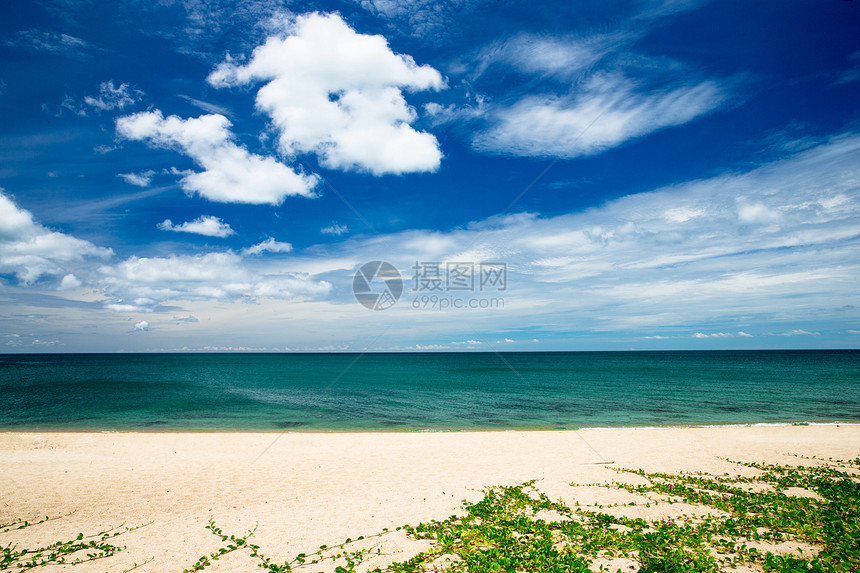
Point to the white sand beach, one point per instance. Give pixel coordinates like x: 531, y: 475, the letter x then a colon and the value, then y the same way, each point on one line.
x: 302, y: 490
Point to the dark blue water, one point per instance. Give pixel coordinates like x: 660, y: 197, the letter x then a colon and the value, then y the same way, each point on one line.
x: 433, y: 391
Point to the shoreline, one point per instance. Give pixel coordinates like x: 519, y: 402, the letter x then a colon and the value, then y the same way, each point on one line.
x: 395, y: 430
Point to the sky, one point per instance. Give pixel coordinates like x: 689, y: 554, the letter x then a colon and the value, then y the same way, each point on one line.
x: 416, y: 175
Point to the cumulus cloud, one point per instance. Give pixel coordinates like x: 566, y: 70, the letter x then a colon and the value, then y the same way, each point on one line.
x: 335, y: 229
x: 800, y: 332
x: 231, y: 174
x: 339, y: 94
x: 141, y: 326
x: 204, y: 225
x: 604, y: 113
x: 714, y: 335
x: 270, y: 245
x: 30, y: 250
x: 142, y: 179
x: 69, y: 282
x: 113, y: 97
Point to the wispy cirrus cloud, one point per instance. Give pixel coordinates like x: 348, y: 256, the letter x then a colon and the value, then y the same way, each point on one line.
x: 851, y: 74
x: 202, y: 28
x: 577, y: 94
x: 51, y: 42
x: 422, y: 18
x: 683, y: 259
x: 604, y: 113
x: 207, y: 106
x: 557, y: 57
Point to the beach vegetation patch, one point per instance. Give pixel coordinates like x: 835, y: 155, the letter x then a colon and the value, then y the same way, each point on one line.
x: 782, y: 518
x: 773, y: 518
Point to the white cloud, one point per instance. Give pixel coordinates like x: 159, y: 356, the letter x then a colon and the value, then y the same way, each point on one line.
x: 206, y: 106
x: 651, y: 9
x: 205, y: 28
x: 627, y: 266
x: 468, y: 343
x: 335, y: 229
x: 851, y: 74
x: 186, y: 319
x: 69, y: 282
x: 270, y: 245
x: 604, y: 112
x: 141, y: 326
x: 204, y: 225
x: 624, y: 268
x: 682, y: 214
x: 800, y: 332
x: 348, y: 106
x: 120, y: 306
x: 114, y: 97
x: 423, y: 17
x: 440, y: 115
x: 52, y: 42
x: 231, y: 174
x: 425, y: 347
x: 30, y: 251
x: 548, y: 56
x: 756, y: 213
x: 212, y: 276
x: 743, y: 334
x: 142, y: 179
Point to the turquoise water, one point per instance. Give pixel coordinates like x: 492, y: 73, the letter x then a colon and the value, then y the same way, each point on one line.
x: 433, y: 391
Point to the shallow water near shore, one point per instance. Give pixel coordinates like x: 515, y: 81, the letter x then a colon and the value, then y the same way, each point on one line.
x: 429, y: 391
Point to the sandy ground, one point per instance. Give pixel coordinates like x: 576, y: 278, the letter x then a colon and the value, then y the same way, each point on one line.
x: 302, y: 490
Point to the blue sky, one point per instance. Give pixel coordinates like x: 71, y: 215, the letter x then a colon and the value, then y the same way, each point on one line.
x: 207, y: 175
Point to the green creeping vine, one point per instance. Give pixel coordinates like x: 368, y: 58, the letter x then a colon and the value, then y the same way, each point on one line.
x: 81, y: 549
x: 731, y: 521
x: 518, y: 529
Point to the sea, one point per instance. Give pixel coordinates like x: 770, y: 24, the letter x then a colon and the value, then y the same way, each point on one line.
x: 426, y: 391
